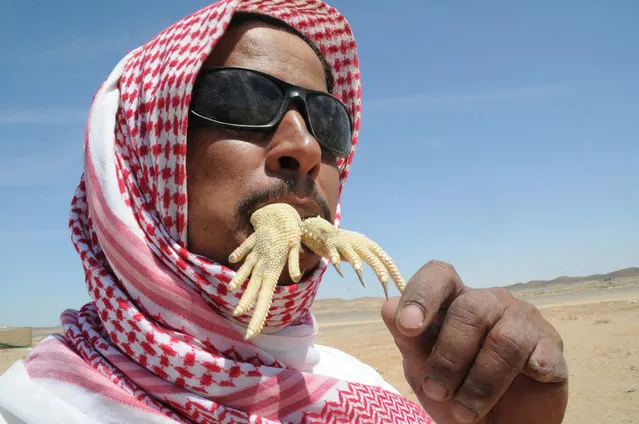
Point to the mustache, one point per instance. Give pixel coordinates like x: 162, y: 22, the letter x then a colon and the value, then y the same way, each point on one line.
x: 300, y: 186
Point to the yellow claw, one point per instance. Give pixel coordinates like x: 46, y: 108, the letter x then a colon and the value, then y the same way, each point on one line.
x: 294, y: 262
x: 244, y: 248
x: 244, y: 272
x: 360, y: 276
x: 277, y: 237
x: 279, y: 234
x: 323, y: 238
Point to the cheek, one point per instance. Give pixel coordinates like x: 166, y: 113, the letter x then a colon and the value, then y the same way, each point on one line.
x: 213, y: 180
x: 218, y: 166
x: 329, y: 185
x: 219, y: 173
x: 208, y: 162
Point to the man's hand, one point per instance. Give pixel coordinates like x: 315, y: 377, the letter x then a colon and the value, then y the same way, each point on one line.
x: 477, y: 356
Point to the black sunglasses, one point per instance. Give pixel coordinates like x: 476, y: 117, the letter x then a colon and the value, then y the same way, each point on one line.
x: 241, y: 98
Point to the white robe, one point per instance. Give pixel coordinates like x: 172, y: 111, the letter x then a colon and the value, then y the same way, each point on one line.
x: 24, y: 400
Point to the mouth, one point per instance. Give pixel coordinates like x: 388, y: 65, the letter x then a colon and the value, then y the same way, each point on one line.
x: 305, y: 207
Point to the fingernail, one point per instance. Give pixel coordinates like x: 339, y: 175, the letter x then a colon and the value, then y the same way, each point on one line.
x: 463, y: 414
x: 411, y: 317
x: 434, y: 390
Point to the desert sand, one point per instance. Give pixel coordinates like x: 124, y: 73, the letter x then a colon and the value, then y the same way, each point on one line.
x: 599, y: 323
x: 599, y: 326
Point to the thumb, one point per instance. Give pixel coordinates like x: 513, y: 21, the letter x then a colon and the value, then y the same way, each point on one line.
x: 414, y: 349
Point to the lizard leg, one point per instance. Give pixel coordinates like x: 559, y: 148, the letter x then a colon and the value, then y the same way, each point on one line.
x: 243, y: 249
x: 294, y: 259
x: 263, y: 304
x: 324, y: 239
x: 351, y: 256
x: 378, y: 259
x: 277, y: 237
x: 378, y: 267
x: 244, y: 272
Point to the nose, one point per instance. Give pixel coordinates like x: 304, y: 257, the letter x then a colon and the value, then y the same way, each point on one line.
x: 293, y: 149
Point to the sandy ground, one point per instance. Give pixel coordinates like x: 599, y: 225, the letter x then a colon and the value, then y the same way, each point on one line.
x: 9, y: 356
x: 600, y: 329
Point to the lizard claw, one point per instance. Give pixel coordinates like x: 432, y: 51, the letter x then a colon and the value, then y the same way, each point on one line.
x: 324, y: 239
x: 360, y: 276
x: 277, y: 237
x: 279, y: 234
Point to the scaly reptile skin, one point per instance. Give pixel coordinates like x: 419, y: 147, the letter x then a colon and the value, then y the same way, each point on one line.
x: 279, y: 233
x: 324, y: 239
x: 277, y: 237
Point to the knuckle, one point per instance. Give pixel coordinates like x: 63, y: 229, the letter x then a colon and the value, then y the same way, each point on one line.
x: 529, y: 309
x: 437, y: 264
x: 530, y: 312
x: 508, y: 344
x: 501, y: 293
x: 549, y: 336
x: 468, y: 310
x: 444, y: 366
x: 557, y: 339
x: 532, y: 315
x: 474, y: 389
x: 475, y: 394
x: 434, y: 279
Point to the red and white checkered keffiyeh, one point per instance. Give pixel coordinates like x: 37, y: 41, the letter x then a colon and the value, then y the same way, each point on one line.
x: 157, y: 335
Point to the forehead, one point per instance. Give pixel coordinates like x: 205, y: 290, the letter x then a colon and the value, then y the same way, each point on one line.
x: 271, y: 50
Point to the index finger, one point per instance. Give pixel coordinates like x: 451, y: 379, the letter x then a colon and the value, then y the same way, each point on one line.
x: 434, y: 286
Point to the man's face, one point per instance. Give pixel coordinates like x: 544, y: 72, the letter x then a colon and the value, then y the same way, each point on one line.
x: 233, y: 173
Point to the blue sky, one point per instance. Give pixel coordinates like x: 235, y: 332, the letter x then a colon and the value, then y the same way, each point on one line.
x: 500, y: 136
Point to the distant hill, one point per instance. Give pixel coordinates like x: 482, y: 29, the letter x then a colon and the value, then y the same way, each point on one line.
x: 328, y: 306
x: 622, y: 273
x: 337, y: 305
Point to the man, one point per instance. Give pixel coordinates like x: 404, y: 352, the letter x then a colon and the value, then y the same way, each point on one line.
x: 244, y: 112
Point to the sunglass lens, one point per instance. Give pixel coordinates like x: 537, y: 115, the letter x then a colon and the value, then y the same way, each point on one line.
x: 330, y: 123
x: 235, y: 96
